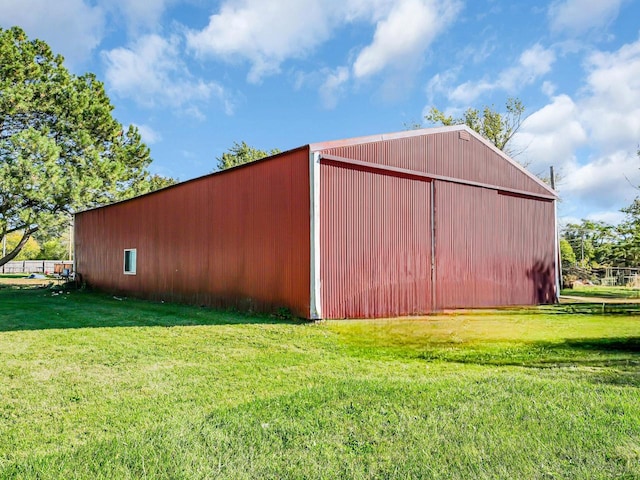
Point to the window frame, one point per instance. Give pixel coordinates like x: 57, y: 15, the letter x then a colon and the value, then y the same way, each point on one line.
x: 131, y: 271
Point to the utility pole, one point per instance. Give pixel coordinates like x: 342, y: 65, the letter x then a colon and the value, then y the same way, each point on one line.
x: 552, y: 179
x: 71, y: 238
x: 4, y: 249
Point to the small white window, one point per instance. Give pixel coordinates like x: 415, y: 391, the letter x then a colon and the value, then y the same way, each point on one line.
x: 130, y: 261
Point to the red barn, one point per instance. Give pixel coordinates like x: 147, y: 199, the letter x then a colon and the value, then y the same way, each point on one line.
x: 397, y: 224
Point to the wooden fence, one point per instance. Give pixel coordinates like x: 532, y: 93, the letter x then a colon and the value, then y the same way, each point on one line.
x: 31, y: 266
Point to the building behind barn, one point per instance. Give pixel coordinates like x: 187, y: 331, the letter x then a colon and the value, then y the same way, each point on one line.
x: 389, y: 225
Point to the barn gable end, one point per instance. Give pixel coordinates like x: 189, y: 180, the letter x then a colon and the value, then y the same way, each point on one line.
x: 456, y: 152
x: 429, y: 220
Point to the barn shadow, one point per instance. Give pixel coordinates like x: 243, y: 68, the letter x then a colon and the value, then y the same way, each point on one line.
x: 43, y: 309
x: 614, y: 360
x: 543, y: 282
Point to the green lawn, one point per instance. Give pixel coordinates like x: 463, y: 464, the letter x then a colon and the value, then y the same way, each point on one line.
x: 602, y: 292
x: 100, y: 388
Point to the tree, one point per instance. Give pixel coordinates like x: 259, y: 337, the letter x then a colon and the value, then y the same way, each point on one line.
x: 592, y: 242
x: 146, y: 183
x: 242, y: 153
x: 61, y: 150
x: 498, y: 128
x: 29, y: 251
x: 54, y: 249
x: 628, y: 247
x: 567, y: 255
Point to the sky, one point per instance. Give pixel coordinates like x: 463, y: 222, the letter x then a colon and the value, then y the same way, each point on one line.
x: 195, y: 76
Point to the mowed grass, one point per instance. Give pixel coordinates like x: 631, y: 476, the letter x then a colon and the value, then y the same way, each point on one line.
x: 600, y: 291
x: 96, y: 387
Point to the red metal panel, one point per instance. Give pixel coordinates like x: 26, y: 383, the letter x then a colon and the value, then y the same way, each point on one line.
x: 375, y: 244
x: 389, y: 170
x: 492, y: 249
x: 444, y: 153
x: 239, y: 238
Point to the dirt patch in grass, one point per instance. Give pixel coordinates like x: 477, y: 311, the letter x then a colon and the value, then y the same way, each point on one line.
x: 7, y: 281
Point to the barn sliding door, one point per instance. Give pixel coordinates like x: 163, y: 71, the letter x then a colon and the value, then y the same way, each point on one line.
x: 493, y: 249
x: 375, y: 243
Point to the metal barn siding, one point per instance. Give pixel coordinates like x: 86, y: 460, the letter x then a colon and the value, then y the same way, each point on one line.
x: 456, y: 153
x: 492, y: 249
x: 492, y: 239
x: 375, y: 243
x: 238, y: 238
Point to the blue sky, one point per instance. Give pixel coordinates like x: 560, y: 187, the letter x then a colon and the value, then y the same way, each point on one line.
x: 197, y: 75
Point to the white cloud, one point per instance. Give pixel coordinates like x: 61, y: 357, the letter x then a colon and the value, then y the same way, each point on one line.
x: 440, y: 83
x: 266, y: 34
x: 139, y: 14
x: 149, y: 135
x: 548, y: 88
x: 477, y: 53
x: 355, y: 10
x: 605, y: 113
x: 71, y: 27
x: 532, y: 64
x: 604, y: 117
x: 404, y: 34
x: 610, y: 217
x: 536, y: 61
x: 468, y: 92
x: 333, y: 87
x: 607, y: 181
x: 152, y: 73
x: 551, y: 135
x: 612, y: 103
x: 574, y: 17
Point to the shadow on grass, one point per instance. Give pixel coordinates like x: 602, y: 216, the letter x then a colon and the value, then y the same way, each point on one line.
x: 31, y: 308
x: 606, y: 345
x: 602, y: 360
x: 619, y: 293
x: 594, y: 308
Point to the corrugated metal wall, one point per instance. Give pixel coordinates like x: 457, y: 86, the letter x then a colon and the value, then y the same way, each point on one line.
x: 444, y: 154
x: 492, y: 249
x: 240, y: 238
x: 375, y: 244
